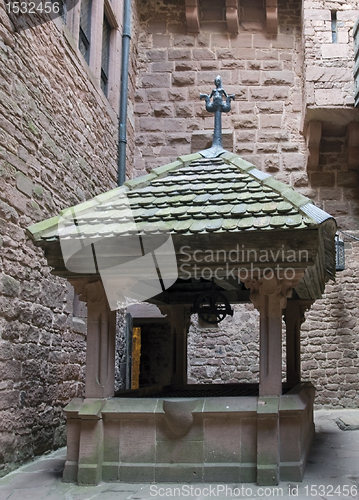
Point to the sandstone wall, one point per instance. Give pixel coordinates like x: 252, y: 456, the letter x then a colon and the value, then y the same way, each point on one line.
x: 330, y: 346
x: 328, y: 65
x: 276, y: 80
x: 228, y: 353
x: 263, y: 71
x: 58, y: 147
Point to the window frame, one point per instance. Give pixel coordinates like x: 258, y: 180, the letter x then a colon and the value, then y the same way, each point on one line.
x: 85, y: 37
x: 100, y: 9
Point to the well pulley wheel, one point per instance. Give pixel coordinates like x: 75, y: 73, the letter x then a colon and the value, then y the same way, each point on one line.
x: 212, y: 307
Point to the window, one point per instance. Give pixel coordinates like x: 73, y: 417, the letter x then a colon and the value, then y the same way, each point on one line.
x: 94, y: 27
x: 105, y: 57
x: 334, y: 26
x: 85, y: 29
x: 62, y: 9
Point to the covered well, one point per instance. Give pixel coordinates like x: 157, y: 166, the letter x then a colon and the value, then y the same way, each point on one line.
x: 271, y: 246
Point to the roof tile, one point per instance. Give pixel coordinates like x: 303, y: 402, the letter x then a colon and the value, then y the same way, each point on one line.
x: 246, y: 222
x: 182, y: 225
x: 230, y: 224
x: 261, y: 222
x: 278, y: 221
x: 198, y: 226
x: 190, y: 196
x: 214, y: 224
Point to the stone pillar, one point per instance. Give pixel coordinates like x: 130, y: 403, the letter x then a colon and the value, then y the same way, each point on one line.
x: 73, y: 428
x: 85, y: 423
x: 268, y: 441
x: 179, y: 327
x: 101, y: 339
x: 294, y: 317
x: 269, y: 296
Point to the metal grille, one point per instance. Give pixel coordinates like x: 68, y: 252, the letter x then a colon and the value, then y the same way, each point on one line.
x: 356, y: 62
x: 339, y: 254
x: 106, y: 31
x: 85, y: 29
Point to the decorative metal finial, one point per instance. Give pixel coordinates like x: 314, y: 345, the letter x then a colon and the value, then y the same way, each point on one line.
x: 217, y: 106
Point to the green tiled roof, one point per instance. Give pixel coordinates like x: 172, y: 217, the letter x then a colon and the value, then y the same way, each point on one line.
x: 194, y: 195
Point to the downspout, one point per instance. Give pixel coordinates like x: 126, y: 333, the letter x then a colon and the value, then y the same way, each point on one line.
x: 122, y: 142
x: 125, y: 56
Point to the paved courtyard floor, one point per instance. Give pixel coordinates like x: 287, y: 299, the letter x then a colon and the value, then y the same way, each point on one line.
x: 332, y: 473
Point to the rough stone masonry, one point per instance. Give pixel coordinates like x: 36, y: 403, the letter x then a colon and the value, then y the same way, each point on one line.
x: 276, y: 79
x: 58, y: 146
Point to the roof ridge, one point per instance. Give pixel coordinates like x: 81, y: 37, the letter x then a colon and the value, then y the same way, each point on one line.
x: 159, y: 172
x: 304, y: 204
x: 265, y: 179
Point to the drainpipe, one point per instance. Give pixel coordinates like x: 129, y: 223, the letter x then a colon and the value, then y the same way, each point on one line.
x: 122, y: 140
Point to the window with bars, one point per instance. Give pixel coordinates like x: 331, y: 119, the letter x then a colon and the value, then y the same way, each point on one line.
x: 85, y: 29
x: 105, y: 57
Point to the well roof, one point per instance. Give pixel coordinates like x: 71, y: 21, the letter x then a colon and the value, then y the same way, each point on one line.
x: 192, y: 195
x: 204, y: 201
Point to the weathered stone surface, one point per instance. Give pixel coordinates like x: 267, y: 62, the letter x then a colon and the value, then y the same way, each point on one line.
x: 58, y: 147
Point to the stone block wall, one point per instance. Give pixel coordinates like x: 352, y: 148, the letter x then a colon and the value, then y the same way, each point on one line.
x: 264, y: 71
x: 330, y: 342
x: 228, y: 353
x: 329, y: 63
x: 330, y: 346
x: 58, y: 147
x: 276, y: 80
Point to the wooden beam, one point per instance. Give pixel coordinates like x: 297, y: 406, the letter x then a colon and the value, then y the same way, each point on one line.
x: 188, y: 298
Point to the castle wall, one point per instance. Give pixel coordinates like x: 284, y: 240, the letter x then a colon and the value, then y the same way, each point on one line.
x: 58, y: 147
x: 264, y: 72
x: 281, y: 84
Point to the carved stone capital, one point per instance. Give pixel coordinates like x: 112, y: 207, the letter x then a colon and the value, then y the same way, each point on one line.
x: 89, y: 291
x: 272, y: 286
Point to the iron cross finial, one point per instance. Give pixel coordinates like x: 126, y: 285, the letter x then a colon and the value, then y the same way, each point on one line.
x: 218, y: 106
